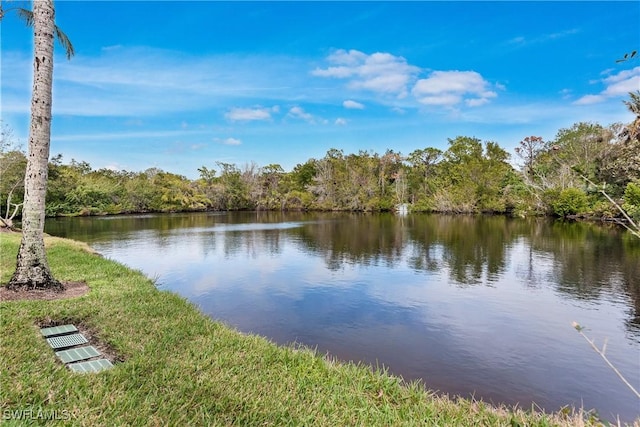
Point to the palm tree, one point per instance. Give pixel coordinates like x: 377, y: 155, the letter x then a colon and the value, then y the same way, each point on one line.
x: 632, y: 131
x: 32, y: 269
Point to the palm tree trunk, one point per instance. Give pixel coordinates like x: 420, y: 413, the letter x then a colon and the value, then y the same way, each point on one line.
x: 32, y: 270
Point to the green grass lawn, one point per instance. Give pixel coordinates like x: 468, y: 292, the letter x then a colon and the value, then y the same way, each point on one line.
x: 179, y: 368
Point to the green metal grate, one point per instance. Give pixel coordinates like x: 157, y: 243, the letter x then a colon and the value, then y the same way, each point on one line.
x: 66, y: 341
x: 65, y: 336
x: 76, y: 354
x: 58, y: 330
x: 91, y: 366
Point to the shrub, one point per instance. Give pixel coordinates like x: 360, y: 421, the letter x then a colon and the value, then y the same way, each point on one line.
x: 604, y: 209
x: 422, y: 205
x: 632, y: 200
x: 570, y: 202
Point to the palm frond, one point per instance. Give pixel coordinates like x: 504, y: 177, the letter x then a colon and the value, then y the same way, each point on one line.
x: 27, y: 17
x: 627, y: 56
x: 65, y: 42
x: 634, y: 103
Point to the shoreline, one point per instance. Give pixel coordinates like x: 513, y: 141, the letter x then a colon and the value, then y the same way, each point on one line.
x: 177, y: 366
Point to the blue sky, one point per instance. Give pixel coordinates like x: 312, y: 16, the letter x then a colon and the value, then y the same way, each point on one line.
x: 179, y: 85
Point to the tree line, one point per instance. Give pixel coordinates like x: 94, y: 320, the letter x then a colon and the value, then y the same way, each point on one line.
x: 556, y: 177
x: 317, y: 181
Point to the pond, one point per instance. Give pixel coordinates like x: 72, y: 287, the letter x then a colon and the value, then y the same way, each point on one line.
x: 471, y: 306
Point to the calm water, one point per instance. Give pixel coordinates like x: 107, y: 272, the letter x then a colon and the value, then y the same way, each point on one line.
x: 471, y: 306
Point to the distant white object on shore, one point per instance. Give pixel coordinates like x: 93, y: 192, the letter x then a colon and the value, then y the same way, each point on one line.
x: 402, y: 209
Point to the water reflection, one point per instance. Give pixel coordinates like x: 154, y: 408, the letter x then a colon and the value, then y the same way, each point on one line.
x: 472, y: 249
x: 355, y: 239
x: 467, y: 304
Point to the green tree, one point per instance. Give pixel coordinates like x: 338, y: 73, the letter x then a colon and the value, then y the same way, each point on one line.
x: 176, y: 193
x: 140, y: 193
x: 458, y: 174
x: 234, y: 194
x: 270, y: 195
x: 619, y: 163
x: 62, y: 186
x: 421, y: 173
x: 632, y: 131
x: 360, y: 190
x: 496, y: 174
x: 304, y: 174
x: 529, y: 150
x: 325, y: 182
x: 472, y: 177
x: 632, y: 201
x: 576, y: 149
x: 207, y: 175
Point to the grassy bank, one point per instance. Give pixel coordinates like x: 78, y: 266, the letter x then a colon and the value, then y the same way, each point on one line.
x: 177, y: 367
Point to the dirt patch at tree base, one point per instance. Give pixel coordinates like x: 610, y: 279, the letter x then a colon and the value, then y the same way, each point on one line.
x: 71, y: 290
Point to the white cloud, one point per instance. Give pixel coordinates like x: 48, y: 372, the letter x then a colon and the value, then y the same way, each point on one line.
x: 623, y: 82
x: 441, y: 99
x: 352, y: 105
x: 590, y: 99
x: 341, y: 122
x: 521, y: 41
x: 299, y: 113
x: 181, y: 147
x: 351, y: 57
x: 566, y: 93
x: 561, y: 34
x: 248, y: 114
x: 143, y: 81
x: 448, y: 88
x: 102, y: 136
x: 516, y: 40
x: 476, y: 102
x: 616, y: 85
x: 232, y: 141
x: 228, y: 141
x: 112, y: 47
x: 379, y: 72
